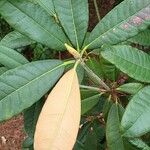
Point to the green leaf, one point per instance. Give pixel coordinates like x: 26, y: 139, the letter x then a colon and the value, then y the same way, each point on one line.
x: 15, y: 40
x: 123, y: 56
x: 2, y: 70
x: 73, y: 15
x: 10, y: 58
x: 21, y: 87
x: 123, y: 22
x: 136, y: 120
x: 33, y: 21
x: 31, y: 116
x: 106, y: 108
x: 78, y: 145
x: 95, y: 66
x: 89, y: 103
x: 90, y: 131
x: 47, y: 5
x: 85, y: 93
x: 134, y: 143
x: 143, y: 38
x: 131, y: 144
x: 131, y: 88
x: 80, y: 73
x: 109, y: 70
x: 86, y: 39
x: 83, y: 132
x: 91, y: 141
x: 113, y: 135
x: 27, y: 143
x: 139, y: 144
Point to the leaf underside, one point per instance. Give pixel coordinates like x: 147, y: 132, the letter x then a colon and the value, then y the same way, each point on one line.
x: 59, y: 120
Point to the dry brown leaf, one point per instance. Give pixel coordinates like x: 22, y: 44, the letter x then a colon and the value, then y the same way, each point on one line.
x: 59, y: 120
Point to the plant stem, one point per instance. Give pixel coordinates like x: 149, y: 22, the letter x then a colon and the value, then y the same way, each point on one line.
x: 94, y: 77
x: 90, y: 88
x: 97, y: 10
x: 84, y: 49
x: 68, y: 62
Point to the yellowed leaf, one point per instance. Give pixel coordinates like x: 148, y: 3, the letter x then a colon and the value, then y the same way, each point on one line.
x: 58, y: 123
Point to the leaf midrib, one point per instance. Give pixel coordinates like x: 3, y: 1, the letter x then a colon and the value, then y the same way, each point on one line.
x: 31, y: 82
x: 51, y: 13
x: 129, y: 127
x: 13, y: 59
x: 36, y: 22
x: 130, y: 61
x: 139, y: 116
x: 75, y: 30
x: 103, y: 34
x: 62, y: 116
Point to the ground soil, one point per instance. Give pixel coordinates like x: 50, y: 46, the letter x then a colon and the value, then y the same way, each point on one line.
x: 12, y: 132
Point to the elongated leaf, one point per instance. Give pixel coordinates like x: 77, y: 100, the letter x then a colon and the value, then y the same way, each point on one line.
x: 27, y: 143
x: 2, y: 70
x: 85, y: 93
x: 131, y: 88
x: 47, y: 5
x: 31, y: 116
x: 78, y: 146
x: 126, y: 143
x: 113, y: 135
x: 15, y: 40
x: 33, y: 21
x: 59, y: 120
x: 109, y: 70
x: 84, y: 131
x: 80, y: 73
x: 136, y: 120
x: 129, y: 60
x: 106, y: 108
x: 95, y: 66
x: 142, y: 38
x: 23, y: 86
x: 91, y: 141
x: 139, y: 144
x: 134, y: 143
x: 73, y: 15
x: 123, y: 22
x: 10, y: 58
x: 103, y: 68
x: 89, y: 103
